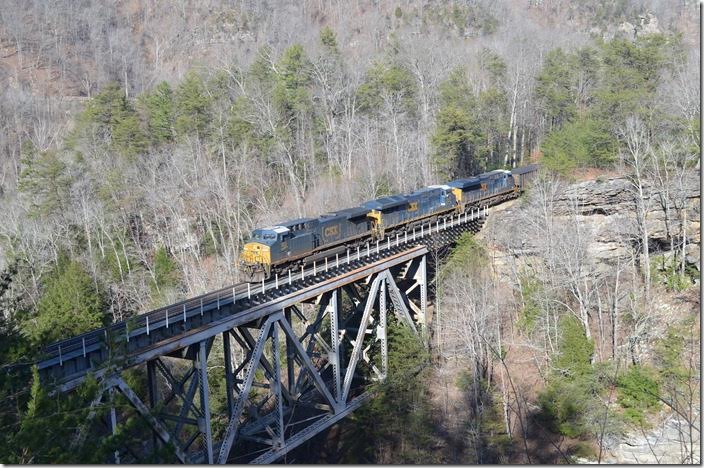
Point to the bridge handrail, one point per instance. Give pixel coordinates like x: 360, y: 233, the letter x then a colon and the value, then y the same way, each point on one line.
x: 95, y: 336
x: 119, y: 330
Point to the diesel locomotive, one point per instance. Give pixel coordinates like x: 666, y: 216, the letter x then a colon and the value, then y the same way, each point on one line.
x: 273, y: 250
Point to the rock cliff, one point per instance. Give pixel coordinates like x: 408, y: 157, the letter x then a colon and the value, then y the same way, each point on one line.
x: 611, y: 206
x: 609, y: 209
x: 606, y: 209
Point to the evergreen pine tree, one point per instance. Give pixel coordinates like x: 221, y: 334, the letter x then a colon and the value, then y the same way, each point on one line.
x: 70, y: 305
x: 110, y: 119
x: 291, y: 92
x: 159, y: 107
x: 165, y: 270
x: 457, y: 134
x: 44, y: 180
x: 192, y: 106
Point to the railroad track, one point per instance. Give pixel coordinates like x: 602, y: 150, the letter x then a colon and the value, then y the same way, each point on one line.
x: 131, y: 336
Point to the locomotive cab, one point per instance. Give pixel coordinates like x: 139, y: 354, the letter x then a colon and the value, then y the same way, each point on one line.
x: 264, y: 248
x: 448, y: 197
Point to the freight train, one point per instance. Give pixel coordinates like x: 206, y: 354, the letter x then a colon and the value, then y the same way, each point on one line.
x: 273, y: 250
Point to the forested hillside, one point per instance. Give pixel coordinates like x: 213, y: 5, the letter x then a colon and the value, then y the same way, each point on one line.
x: 140, y: 142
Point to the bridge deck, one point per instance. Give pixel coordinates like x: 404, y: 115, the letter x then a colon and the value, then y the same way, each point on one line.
x: 175, y: 327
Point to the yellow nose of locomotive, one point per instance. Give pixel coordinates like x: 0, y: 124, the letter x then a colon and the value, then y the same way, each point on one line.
x: 254, y: 252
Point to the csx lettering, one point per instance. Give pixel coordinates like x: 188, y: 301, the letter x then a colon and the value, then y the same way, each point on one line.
x: 331, y: 231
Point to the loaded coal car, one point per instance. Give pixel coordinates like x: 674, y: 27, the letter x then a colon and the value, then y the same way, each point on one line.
x: 387, y: 213
x: 523, y: 175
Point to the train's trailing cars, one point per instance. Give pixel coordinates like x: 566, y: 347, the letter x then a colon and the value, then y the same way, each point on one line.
x: 301, y: 241
x: 523, y: 175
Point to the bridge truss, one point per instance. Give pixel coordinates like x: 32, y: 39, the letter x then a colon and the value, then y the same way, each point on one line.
x: 292, y: 358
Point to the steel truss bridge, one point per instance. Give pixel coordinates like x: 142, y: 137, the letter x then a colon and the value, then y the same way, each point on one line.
x: 294, y: 355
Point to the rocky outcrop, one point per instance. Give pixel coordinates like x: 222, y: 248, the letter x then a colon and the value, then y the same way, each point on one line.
x: 647, y: 24
x: 666, y: 443
x: 605, y: 211
x: 610, y: 206
x: 607, y: 208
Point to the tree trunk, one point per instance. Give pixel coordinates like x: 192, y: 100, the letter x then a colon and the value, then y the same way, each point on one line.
x: 614, y: 316
x: 684, y: 240
x: 523, y: 146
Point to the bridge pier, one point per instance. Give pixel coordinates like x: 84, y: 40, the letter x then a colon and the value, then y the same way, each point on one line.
x: 113, y: 422
x: 204, y: 422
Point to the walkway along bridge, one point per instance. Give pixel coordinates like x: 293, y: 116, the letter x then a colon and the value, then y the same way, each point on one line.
x: 299, y: 352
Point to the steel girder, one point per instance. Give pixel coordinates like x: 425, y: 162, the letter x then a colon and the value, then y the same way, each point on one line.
x: 332, y: 347
x: 294, y: 361
x: 286, y: 376
x: 66, y: 363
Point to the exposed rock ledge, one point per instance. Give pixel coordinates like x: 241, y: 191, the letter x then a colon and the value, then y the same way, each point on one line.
x: 611, y: 207
x: 608, y: 208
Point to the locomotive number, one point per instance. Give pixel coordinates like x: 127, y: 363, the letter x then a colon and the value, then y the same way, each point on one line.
x: 484, y: 187
x: 332, y: 231
x: 413, y: 206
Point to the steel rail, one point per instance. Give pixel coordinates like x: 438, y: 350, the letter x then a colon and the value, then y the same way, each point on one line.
x: 255, y: 312
x: 250, y: 294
